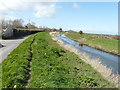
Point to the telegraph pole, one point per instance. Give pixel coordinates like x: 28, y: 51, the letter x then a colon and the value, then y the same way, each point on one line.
x: 29, y: 25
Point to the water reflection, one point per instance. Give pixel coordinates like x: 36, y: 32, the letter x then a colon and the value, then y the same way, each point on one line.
x: 106, y: 59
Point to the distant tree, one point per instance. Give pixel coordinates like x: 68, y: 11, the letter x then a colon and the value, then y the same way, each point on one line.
x: 4, y: 24
x: 10, y: 22
x: 60, y: 29
x: 26, y: 27
x: 18, y: 23
x: 54, y: 29
x: 31, y: 25
x: 81, y: 32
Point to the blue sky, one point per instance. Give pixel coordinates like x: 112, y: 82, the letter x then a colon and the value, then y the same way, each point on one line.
x: 90, y: 17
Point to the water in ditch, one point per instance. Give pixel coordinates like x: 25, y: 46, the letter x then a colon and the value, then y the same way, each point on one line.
x: 106, y: 59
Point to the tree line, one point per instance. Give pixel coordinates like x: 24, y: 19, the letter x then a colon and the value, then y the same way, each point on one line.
x: 17, y: 23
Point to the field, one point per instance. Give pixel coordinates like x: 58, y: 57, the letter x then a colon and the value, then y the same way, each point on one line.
x: 40, y: 62
x: 107, y: 45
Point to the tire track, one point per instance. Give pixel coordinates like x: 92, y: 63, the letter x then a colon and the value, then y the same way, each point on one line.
x: 30, y: 62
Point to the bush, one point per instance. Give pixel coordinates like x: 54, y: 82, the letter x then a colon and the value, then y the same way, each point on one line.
x: 81, y: 32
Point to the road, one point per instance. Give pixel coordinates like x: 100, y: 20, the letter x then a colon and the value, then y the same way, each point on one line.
x: 9, y: 46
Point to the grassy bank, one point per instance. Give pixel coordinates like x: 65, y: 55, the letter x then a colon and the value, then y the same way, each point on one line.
x: 15, y: 69
x: 51, y: 67
x: 0, y: 76
x: 107, y: 45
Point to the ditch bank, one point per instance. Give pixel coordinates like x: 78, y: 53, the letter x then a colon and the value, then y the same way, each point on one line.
x: 97, y: 47
x: 99, y: 42
x: 96, y: 64
x: 55, y: 67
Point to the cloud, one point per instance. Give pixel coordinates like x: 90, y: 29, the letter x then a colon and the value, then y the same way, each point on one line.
x: 12, y: 5
x: 72, y: 1
x: 7, y: 17
x: 45, y: 10
x: 42, y: 1
x: 9, y: 7
x: 75, y: 5
x: 40, y: 9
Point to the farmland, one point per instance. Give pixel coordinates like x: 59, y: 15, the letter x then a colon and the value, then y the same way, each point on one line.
x: 40, y: 62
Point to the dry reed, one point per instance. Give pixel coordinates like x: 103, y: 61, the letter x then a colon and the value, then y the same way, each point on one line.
x: 96, y: 64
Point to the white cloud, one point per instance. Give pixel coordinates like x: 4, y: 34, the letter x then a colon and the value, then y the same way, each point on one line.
x: 75, y: 5
x: 9, y: 9
x: 12, y: 5
x: 72, y: 1
x: 42, y: 1
x: 7, y: 17
x: 45, y: 10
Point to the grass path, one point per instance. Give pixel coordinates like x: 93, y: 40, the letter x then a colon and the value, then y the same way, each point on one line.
x: 51, y: 67
x: 30, y: 62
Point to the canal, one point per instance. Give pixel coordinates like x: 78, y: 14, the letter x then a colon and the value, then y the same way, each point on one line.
x: 108, y: 60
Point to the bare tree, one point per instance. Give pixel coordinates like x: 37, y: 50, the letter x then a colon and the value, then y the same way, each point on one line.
x: 18, y: 23
x: 31, y: 25
x: 4, y: 24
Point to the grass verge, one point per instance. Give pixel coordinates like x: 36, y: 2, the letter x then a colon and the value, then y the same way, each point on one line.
x: 0, y: 76
x: 15, y: 69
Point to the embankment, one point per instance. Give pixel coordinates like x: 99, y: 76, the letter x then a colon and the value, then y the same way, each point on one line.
x: 16, y: 67
x: 103, y: 70
x: 51, y: 67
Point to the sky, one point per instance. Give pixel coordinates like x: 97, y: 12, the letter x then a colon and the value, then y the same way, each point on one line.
x: 90, y: 17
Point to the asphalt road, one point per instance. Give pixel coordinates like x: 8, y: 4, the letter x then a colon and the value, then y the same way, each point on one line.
x: 9, y: 46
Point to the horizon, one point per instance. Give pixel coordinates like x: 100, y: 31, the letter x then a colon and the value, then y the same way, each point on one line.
x: 90, y: 17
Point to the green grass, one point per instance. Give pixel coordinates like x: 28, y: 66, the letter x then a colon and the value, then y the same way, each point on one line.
x: 0, y: 76
x: 15, y: 67
x: 52, y: 67
x: 107, y: 44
